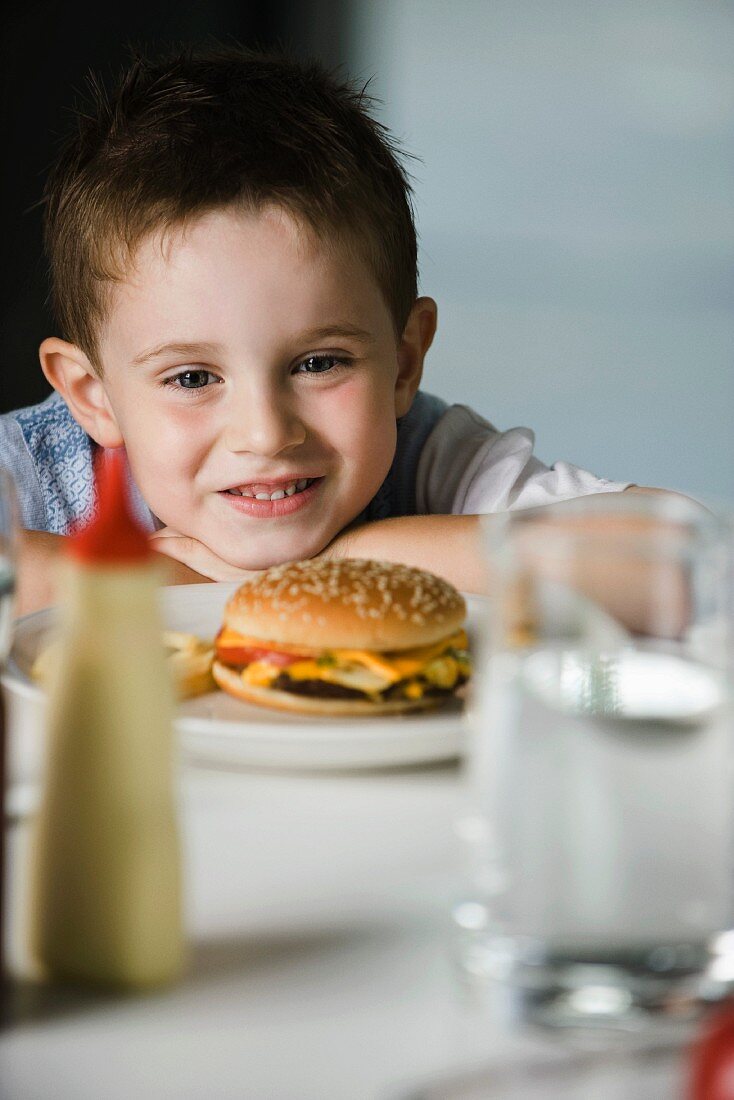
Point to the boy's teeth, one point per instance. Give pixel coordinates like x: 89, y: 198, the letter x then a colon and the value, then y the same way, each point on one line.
x: 278, y: 494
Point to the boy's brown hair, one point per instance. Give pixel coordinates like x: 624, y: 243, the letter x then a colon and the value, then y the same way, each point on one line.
x: 198, y: 130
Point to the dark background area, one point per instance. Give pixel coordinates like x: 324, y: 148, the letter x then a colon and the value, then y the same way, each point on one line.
x: 47, y: 49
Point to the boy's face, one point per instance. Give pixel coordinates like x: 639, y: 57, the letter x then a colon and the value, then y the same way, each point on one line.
x: 245, y: 360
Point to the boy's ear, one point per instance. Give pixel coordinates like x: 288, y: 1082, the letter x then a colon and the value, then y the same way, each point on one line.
x: 73, y: 376
x: 416, y: 340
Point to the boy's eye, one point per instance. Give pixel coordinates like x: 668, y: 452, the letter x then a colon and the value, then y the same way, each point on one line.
x: 319, y: 364
x: 192, y: 379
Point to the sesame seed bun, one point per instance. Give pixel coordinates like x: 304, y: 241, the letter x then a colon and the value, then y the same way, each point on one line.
x: 347, y: 604
x: 230, y: 680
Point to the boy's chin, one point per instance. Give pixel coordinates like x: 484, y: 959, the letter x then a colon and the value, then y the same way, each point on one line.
x: 256, y: 559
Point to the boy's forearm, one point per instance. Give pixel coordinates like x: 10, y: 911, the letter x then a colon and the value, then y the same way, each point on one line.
x: 452, y: 547
x: 449, y: 546
x: 38, y: 554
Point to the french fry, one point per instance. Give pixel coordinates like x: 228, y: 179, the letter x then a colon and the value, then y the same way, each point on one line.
x: 189, y: 660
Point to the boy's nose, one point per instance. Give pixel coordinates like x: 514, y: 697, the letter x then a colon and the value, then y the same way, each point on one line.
x: 264, y: 427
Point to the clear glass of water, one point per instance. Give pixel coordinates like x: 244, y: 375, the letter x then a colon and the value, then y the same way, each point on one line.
x: 601, y: 814
x: 8, y: 551
x: 8, y: 555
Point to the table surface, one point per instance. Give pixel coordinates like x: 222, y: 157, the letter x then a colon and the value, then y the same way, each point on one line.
x: 318, y: 908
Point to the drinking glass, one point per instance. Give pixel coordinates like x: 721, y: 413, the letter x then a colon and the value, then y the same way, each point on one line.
x: 602, y: 801
x: 8, y: 548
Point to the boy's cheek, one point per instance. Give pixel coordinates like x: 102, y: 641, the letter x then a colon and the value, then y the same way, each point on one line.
x: 165, y: 482
x: 161, y: 447
x: 359, y: 417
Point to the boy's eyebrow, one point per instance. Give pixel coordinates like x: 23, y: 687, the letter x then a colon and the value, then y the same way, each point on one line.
x: 176, y: 348
x: 326, y: 332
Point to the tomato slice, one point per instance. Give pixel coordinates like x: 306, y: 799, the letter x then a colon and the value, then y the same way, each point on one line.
x: 245, y: 655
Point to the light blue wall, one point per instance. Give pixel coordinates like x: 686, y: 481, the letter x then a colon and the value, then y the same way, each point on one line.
x: 575, y: 202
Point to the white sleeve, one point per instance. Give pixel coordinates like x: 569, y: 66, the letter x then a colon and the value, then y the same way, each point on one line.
x: 468, y: 467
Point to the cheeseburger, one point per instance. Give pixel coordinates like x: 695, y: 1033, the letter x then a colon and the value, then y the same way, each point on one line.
x: 343, y: 637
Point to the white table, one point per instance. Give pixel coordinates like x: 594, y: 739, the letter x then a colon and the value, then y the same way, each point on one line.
x: 318, y: 909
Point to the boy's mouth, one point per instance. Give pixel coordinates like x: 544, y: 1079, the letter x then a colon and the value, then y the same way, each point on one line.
x: 274, y: 499
x: 272, y: 490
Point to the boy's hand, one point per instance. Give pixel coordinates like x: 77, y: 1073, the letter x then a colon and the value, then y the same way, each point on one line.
x: 196, y: 557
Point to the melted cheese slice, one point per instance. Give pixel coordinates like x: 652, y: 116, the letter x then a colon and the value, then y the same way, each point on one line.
x: 346, y: 674
x: 404, y: 663
x: 260, y: 673
x: 359, y: 669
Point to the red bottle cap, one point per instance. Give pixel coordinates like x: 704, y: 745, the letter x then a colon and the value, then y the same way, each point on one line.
x: 711, y: 1059
x: 113, y: 535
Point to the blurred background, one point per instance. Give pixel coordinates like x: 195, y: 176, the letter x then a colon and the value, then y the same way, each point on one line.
x: 574, y: 187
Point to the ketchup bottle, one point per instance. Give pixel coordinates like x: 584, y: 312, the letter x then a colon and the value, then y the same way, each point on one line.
x: 105, y: 891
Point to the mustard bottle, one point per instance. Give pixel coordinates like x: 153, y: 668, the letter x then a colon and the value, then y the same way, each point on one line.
x: 105, y: 890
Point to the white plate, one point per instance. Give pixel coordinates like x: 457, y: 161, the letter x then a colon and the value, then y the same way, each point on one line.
x: 220, y: 729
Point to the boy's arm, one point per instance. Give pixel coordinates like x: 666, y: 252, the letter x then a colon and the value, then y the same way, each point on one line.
x: 447, y: 545
x: 36, y: 574
x: 38, y: 554
x: 452, y: 547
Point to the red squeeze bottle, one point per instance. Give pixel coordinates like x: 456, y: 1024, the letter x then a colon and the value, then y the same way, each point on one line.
x: 105, y: 883
x: 711, y: 1062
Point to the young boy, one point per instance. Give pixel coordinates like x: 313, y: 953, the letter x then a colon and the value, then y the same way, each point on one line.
x: 233, y: 264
